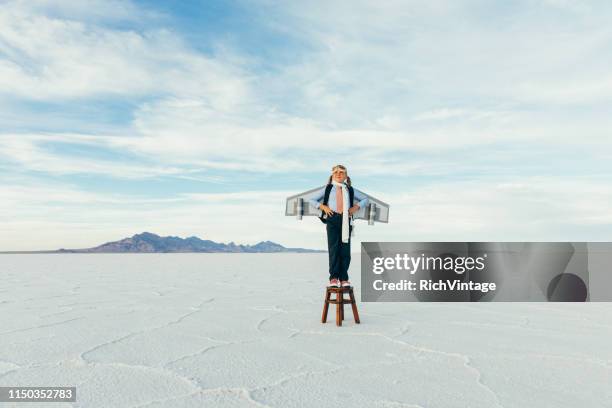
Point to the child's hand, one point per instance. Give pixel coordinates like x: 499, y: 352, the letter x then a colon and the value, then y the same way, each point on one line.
x: 353, y: 209
x: 326, y: 209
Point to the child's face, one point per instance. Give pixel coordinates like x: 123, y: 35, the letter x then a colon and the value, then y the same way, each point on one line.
x: 339, y: 175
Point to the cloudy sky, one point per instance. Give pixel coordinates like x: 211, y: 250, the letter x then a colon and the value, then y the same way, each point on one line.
x: 475, y: 120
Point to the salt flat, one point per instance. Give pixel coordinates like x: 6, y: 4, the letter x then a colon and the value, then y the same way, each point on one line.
x: 243, y: 330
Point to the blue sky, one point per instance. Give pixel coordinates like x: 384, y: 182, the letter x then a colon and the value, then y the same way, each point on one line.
x: 475, y: 120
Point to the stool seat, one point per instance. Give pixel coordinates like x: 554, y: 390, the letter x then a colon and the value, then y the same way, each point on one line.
x: 340, y: 301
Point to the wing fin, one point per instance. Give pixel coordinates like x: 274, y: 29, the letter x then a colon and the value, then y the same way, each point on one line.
x: 298, y: 202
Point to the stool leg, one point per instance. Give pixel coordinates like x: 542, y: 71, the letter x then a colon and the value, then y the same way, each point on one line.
x: 354, y: 306
x: 325, y: 306
x: 342, y: 304
x: 338, y: 313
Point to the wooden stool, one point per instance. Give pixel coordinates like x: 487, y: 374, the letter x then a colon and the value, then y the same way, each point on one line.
x: 339, y: 301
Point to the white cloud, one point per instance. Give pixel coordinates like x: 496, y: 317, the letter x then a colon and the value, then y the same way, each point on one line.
x: 427, y: 81
x: 47, y: 58
x: 25, y: 152
x: 88, y: 10
x: 380, y: 80
x: 388, y: 59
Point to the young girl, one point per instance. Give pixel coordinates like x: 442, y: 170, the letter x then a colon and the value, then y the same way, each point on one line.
x: 339, y: 202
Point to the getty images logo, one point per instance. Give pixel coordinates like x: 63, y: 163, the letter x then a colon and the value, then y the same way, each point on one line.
x: 413, y: 264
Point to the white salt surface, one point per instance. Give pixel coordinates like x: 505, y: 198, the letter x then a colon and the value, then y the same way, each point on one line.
x: 244, y: 330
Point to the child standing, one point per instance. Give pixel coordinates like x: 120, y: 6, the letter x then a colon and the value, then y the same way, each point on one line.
x: 336, y: 200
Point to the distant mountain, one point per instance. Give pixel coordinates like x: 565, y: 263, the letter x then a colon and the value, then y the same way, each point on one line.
x: 148, y: 242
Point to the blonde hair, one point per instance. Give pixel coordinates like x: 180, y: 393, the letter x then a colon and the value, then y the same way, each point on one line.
x: 339, y: 166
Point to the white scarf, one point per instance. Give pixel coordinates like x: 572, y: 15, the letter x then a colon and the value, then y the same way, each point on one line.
x: 345, y: 207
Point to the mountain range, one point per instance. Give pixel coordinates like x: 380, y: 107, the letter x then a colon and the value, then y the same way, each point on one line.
x: 148, y: 242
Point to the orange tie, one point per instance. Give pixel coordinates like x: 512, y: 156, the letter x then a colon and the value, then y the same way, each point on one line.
x: 339, y: 200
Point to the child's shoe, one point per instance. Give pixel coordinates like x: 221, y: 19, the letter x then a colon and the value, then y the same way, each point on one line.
x: 333, y: 283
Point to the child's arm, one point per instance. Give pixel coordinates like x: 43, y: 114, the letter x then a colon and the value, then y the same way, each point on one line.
x: 363, y: 199
x: 316, y: 200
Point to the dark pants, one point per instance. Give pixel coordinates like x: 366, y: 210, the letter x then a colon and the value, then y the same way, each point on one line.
x: 339, y: 252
